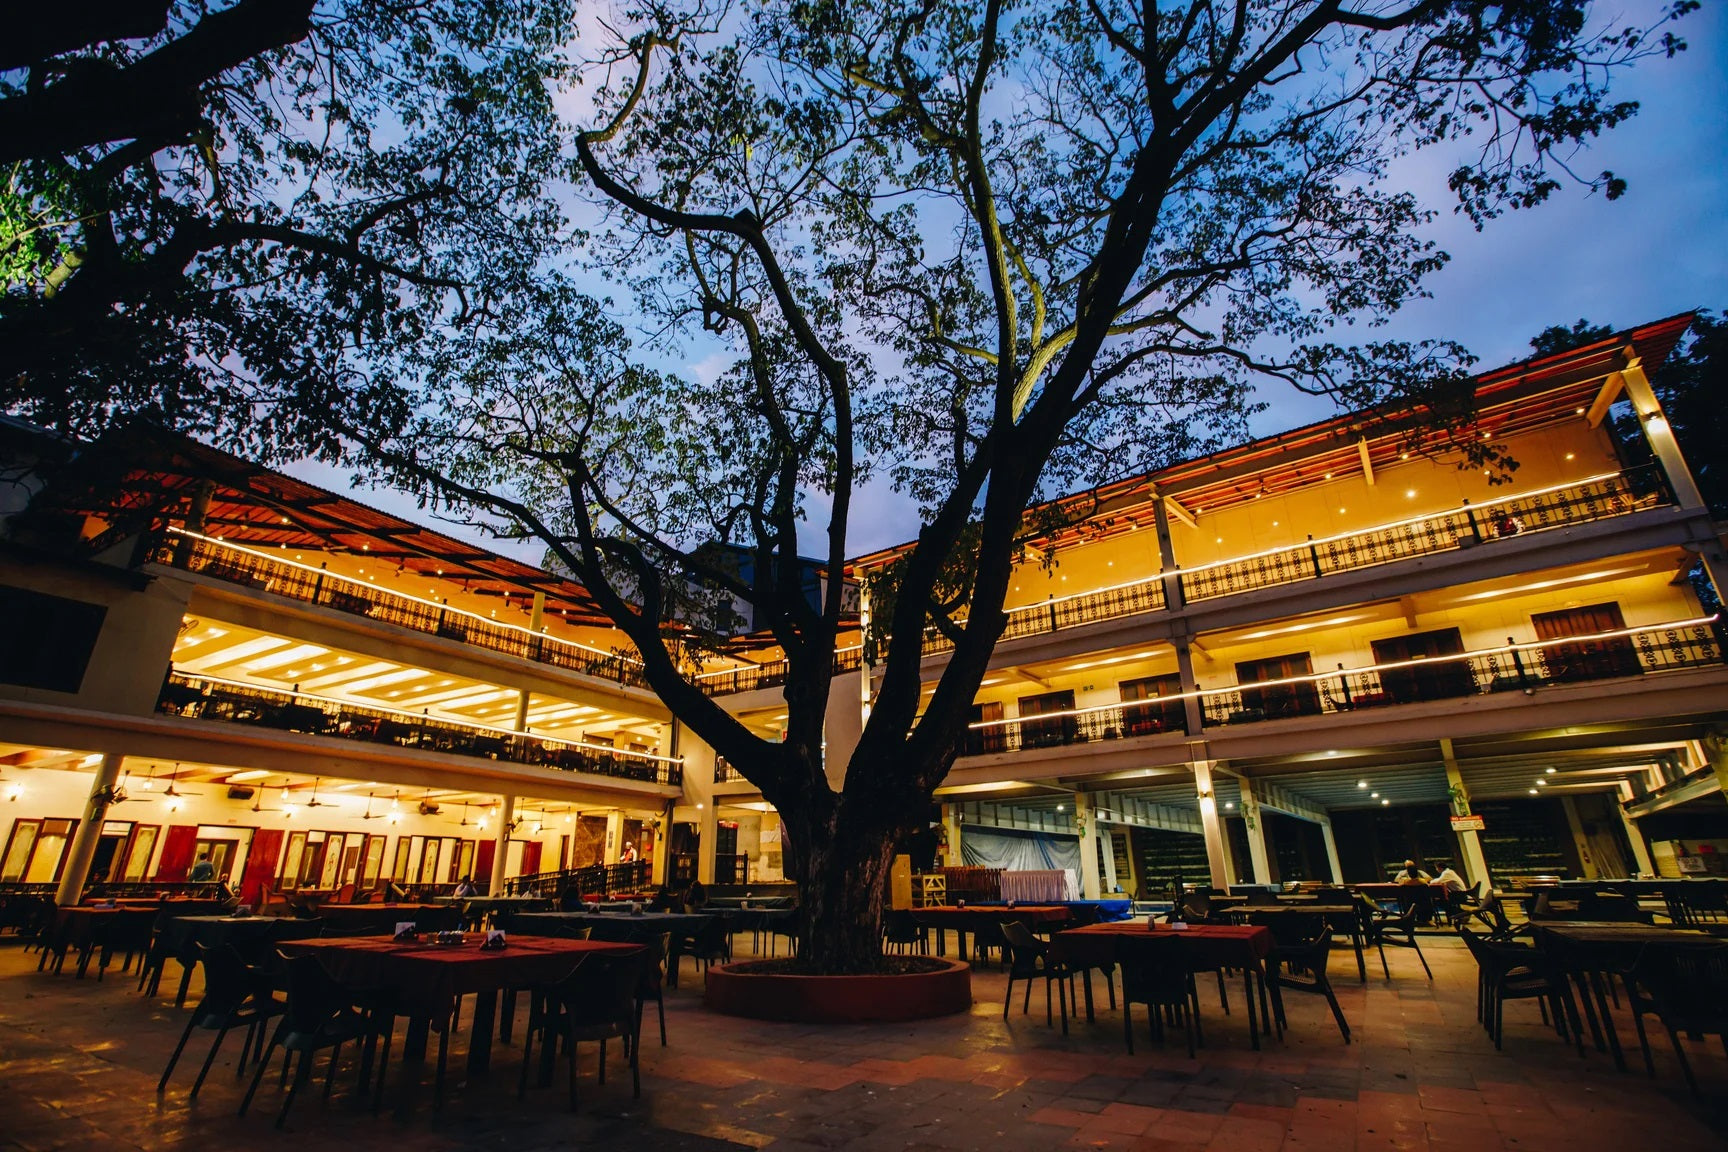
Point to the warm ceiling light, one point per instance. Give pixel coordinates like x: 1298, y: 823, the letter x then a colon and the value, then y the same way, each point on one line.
x: 1532, y: 791
x: 1385, y: 803
x: 1550, y: 770
x: 1373, y: 795
x: 1409, y: 493
x: 250, y: 774
x: 1361, y: 783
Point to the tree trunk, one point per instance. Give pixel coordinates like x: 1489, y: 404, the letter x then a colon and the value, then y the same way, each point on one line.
x: 841, y: 867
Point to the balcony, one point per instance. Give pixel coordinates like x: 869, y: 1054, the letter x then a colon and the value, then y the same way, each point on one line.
x: 769, y: 674
x: 207, y: 698
x: 724, y: 773
x: 244, y: 566
x: 1468, y: 526
x: 1513, y: 668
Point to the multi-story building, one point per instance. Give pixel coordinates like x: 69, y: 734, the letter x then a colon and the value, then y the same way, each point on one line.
x: 1310, y: 656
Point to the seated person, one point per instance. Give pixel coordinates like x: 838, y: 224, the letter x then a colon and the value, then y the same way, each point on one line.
x: 1411, y: 874
x: 1450, y: 878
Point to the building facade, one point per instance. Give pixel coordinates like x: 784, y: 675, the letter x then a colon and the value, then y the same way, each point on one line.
x: 1309, y: 657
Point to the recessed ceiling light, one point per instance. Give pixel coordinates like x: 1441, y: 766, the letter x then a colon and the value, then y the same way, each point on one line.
x: 1374, y: 795
x: 1361, y: 783
x: 1385, y: 803
x: 1532, y: 791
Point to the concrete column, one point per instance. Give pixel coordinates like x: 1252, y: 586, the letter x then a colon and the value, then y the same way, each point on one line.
x: 662, y: 865
x: 1167, y: 556
x: 1660, y: 437
x: 1108, y: 840
x: 1714, y: 747
x: 501, y: 854
x: 1640, y: 846
x: 614, y: 836
x: 77, y: 870
x: 1580, y: 841
x: 951, y: 822
x: 1191, y: 714
x: 1331, y: 851
x: 1256, y: 826
x: 537, y: 612
x: 1469, y: 843
x: 1088, y: 828
x: 1217, y: 847
x: 707, y: 832
x: 522, y: 710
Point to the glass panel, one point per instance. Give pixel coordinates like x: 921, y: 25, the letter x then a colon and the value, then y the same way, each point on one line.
x: 18, y: 850
x: 142, y: 850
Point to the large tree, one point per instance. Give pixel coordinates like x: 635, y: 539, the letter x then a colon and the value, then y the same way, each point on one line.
x: 204, y: 203
x: 982, y: 253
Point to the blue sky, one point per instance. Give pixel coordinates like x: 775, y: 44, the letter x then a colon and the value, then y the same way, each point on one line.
x: 1660, y: 249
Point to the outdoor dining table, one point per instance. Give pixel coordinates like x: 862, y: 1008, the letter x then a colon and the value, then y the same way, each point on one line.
x: 478, y: 908
x: 1206, y: 947
x: 625, y: 926
x: 242, y: 932
x: 963, y: 920
x: 1592, y: 953
x: 426, y: 978
x: 89, y: 928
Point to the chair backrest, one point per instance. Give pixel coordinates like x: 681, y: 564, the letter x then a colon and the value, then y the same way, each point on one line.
x: 1291, y: 929
x: 600, y: 995
x: 1080, y: 915
x: 227, y: 980
x: 313, y: 997
x: 1261, y: 897
x: 1154, y: 968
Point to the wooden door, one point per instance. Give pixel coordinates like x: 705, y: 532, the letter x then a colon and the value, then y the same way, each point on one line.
x: 177, y: 848
x: 1443, y: 679
x: 1144, y: 719
x: 981, y: 741
x: 1279, y: 700
x: 261, y: 862
x: 1047, y: 733
x: 1586, y: 659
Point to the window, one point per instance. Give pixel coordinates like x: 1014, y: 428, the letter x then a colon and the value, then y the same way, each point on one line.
x: 35, y: 850
x: 1587, y: 659
x: 1442, y: 680
x: 1281, y: 699
x: 1047, y: 733
x: 1144, y: 719
x: 49, y: 639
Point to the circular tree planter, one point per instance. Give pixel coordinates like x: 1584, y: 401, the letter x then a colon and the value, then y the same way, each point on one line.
x: 736, y: 991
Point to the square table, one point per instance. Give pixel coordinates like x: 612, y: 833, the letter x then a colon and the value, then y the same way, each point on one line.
x: 427, y: 978
x: 1591, y: 952
x: 1206, y: 947
x: 1341, y: 918
x: 615, y: 924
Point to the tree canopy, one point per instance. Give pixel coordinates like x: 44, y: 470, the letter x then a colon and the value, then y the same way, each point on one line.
x: 983, y: 252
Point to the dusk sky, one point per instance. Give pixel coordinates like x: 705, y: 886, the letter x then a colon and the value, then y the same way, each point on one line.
x: 1660, y: 249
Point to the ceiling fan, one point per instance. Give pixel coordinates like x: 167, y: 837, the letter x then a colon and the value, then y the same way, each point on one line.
x: 464, y: 822
x: 258, y: 801
x: 315, y: 802
x: 171, y: 792
x: 369, y: 814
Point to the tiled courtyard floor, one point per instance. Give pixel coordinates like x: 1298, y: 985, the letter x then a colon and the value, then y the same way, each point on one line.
x: 79, y: 1062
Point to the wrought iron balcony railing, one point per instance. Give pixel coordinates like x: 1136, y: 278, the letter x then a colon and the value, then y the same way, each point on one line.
x: 237, y: 565
x: 724, y: 773
x: 1597, y: 498
x: 209, y: 698
x: 769, y: 674
x: 1517, y: 667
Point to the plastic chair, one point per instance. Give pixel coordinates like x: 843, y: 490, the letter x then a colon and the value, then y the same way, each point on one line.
x: 596, y: 1002
x: 1382, y: 928
x: 1292, y: 953
x: 318, y: 1015
x: 1518, y: 972
x: 1030, y: 959
x: 235, y: 995
x: 1155, y: 974
x: 1686, y: 987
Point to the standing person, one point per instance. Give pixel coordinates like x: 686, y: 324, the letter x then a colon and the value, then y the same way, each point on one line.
x: 203, y: 870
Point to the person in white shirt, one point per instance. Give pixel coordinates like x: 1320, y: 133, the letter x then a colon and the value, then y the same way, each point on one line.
x: 1449, y: 877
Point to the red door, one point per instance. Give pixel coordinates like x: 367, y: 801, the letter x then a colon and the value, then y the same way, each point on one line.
x: 177, y: 849
x: 483, y: 853
x: 260, y: 864
x: 530, y: 857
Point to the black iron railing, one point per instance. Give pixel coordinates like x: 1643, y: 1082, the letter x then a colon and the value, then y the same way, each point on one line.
x: 769, y: 674
x: 208, y: 699
x: 602, y: 880
x: 236, y: 565
x: 724, y: 773
x: 1599, y: 498
x: 1514, y: 668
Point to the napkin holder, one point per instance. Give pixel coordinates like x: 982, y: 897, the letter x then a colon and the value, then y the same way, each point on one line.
x: 405, y: 932
x: 1177, y: 925
x: 494, y: 941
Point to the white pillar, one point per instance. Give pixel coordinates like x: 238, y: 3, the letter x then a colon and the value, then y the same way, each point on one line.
x: 1217, y: 848
x: 501, y: 853
x: 84, y: 841
x: 951, y: 822
x: 614, y: 837
x: 1108, y: 839
x: 707, y: 832
x: 1469, y: 843
x: 1256, y: 826
x: 1088, y: 828
x: 1331, y: 851
x: 1586, y: 859
x: 522, y: 710
x: 1634, y: 834
x: 1660, y: 436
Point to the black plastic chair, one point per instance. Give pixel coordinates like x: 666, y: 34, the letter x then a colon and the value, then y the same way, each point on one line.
x: 1507, y: 971
x: 1383, y: 928
x: 319, y: 1015
x: 235, y: 995
x: 1155, y: 974
x: 597, y: 1001
x: 1030, y: 959
x: 903, y: 933
x: 709, y: 944
x: 1300, y: 963
x: 1686, y: 987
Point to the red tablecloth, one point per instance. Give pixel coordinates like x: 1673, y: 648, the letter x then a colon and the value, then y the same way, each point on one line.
x: 1206, y: 945
x: 428, y: 977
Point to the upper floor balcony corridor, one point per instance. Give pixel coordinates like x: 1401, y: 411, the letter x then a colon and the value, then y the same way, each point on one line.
x: 233, y: 701
x: 1593, y: 499
x: 1513, y: 667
